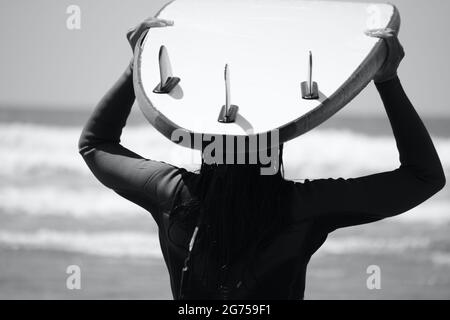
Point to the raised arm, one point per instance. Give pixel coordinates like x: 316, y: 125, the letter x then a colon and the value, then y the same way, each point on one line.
x: 145, y: 182
x: 341, y: 203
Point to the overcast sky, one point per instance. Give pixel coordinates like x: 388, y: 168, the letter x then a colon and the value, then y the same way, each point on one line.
x: 43, y: 64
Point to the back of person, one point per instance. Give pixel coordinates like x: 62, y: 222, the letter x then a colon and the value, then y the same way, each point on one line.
x: 229, y: 232
x: 266, y: 265
x: 270, y: 264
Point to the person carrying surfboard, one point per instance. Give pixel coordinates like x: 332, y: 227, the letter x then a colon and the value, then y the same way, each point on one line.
x: 228, y: 232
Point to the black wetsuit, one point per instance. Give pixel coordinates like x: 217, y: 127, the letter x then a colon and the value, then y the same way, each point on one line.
x: 318, y: 207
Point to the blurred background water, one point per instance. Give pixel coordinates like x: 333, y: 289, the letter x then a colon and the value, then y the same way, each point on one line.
x: 53, y: 213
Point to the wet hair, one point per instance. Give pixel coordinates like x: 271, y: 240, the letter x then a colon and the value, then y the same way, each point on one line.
x: 234, y: 206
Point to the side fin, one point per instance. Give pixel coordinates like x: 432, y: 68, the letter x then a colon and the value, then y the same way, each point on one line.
x: 165, y: 68
x: 167, y: 81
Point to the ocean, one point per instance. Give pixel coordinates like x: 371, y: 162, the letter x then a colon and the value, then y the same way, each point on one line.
x: 54, y: 213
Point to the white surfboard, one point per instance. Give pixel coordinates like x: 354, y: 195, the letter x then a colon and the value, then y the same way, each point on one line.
x: 266, y: 45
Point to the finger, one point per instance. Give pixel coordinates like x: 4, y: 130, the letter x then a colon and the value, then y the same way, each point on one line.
x: 167, y: 22
x: 130, y: 32
x: 151, y: 19
x: 154, y: 22
x: 381, y: 33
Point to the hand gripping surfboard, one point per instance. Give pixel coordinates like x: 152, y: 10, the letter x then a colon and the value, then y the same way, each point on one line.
x: 247, y: 67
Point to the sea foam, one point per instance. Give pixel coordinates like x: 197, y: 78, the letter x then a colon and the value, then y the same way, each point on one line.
x: 43, y: 174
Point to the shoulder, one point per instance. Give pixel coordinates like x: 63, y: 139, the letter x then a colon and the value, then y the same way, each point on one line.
x: 175, y: 185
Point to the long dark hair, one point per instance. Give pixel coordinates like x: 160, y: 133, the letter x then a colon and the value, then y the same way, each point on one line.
x: 234, y: 206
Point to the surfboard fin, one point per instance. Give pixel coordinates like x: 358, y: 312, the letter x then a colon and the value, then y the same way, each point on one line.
x: 228, y: 112
x: 310, y: 89
x: 168, y: 82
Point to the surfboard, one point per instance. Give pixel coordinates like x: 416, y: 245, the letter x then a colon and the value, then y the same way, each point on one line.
x: 248, y: 67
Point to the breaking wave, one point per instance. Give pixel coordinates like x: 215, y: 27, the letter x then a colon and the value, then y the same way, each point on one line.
x: 43, y: 174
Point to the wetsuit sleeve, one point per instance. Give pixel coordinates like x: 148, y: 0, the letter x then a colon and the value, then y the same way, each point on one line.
x: 148, y: 183
x: 338, y: 203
